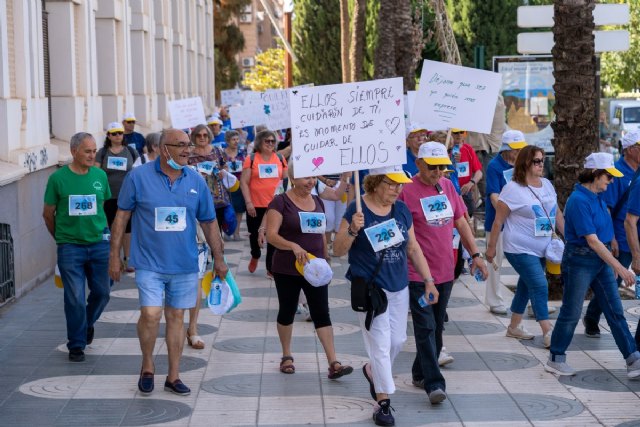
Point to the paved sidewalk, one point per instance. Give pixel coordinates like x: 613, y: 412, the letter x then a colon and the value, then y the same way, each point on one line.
x: 494, y: 381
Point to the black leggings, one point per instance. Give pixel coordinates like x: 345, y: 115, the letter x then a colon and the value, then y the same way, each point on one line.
x: 110, y: 210
x: 253, y: 223
x: 288, y: 288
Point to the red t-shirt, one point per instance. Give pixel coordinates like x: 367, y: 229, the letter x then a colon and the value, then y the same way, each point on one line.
x: 468, y: 164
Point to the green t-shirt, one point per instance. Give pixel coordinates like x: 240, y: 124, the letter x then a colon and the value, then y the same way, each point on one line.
x: 79, y: 203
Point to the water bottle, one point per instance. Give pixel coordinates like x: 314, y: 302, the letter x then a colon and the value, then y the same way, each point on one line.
x: 423, y: 300
x: 455, y: 150
x: 106, y: 234
x: 638, y: 287
x: 216, y: 292
x: 478, y: 274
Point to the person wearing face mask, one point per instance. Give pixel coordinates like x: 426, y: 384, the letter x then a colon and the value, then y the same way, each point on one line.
x: 165, y: 199
x: 499, y: 173
x: 587, y: 262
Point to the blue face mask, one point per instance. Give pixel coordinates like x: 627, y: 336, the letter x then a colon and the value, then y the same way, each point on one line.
x: 172, y: 163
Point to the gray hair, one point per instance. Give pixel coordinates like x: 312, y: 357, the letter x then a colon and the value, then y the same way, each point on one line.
x: 152, y: 141
x: 230, y: 134
x: 77, y: 139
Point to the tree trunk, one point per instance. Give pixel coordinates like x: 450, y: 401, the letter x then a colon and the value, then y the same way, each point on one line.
x: 344, y: 40
x: 575, y: 127
x: 405, y: 55
x: 356, y: 58
x: 384, y: 56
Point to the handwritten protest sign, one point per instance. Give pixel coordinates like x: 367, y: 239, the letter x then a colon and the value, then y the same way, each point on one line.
x: 186, y: 113
x: 247, y: 115
x: 454, y: 96
x: 346, y: 127
x: 231, y: 97
x: 250, y: 97
x: 276, y: 108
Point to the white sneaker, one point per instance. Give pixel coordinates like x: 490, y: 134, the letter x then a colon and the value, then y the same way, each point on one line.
x: 519, y: 333
x: 306, y: 312
x: 633, y: 370
x: 498, y: 309
x: 559, y: 368
x: 546, y: 339
x: 444, y: 358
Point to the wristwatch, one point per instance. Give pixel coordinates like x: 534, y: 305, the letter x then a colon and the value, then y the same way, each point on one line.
x: 477, y: 255
x: 473, y: 181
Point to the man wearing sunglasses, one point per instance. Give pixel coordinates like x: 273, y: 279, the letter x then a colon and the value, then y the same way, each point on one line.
x: 165, y: 199
x: 468, y: 167
x: 132, y: 138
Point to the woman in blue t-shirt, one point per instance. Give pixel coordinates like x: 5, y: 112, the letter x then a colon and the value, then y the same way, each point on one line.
x: 379, y: 240
x: 587, y: 262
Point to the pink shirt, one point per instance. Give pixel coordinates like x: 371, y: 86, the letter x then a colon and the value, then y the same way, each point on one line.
x: 436, y: 237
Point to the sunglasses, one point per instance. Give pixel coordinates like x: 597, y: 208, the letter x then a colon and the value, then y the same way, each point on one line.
x: 129, y: 121
x: 116, y: 133
x: 202, y: 135
x: 439, y: 167
x: 269, y: 141
x: 457, y: 133
x: 182, y: 145
x: 537, y: 162
x: 609, y: 176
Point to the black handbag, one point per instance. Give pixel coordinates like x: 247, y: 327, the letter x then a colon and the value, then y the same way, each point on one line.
x: 368, y: 298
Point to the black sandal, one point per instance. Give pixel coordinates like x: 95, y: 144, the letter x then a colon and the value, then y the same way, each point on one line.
x: 335, y: 373
x: 287, y: 369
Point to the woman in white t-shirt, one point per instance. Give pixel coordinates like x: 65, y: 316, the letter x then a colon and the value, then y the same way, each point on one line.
x: 528, y: 209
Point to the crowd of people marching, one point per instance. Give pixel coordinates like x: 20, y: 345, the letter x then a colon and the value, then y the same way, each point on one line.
x: 162, y: 205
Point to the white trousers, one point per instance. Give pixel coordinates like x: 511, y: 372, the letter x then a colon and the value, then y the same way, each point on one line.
x: 492, y: 295
x: 384, y: 340
x: 334, y: 211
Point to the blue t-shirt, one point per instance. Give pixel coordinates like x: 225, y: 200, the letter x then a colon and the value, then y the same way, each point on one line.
x: 146, y: 188
x: 614, y: 192
x: 226, y: 125
x: 251, y: 133
x: 393, y: 275
x: 219, y: 139
x: 135, y: 140
x: 634, y: 201
x: 495, y: 182
x: 410, y: 166
x: 586, y: 213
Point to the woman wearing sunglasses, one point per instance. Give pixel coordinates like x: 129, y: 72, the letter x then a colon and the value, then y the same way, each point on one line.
x: 528, y: 209
x: 116, y: 159
x: 262, y: 174
x: 587, y: 262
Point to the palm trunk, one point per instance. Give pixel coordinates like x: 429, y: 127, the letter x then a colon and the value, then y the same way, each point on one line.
x: 358, y: 40
x: 344, y: 40
x: 385, y: 57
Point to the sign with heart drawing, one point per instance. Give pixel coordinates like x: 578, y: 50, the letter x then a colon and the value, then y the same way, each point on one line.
x: 347, y: 127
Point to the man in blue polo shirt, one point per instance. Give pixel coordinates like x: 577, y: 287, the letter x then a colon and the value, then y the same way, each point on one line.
x: 164, y: 199
x: 632, y: 228
x: 132, y: 138
x: 499, y: 172
x: 617, y: 199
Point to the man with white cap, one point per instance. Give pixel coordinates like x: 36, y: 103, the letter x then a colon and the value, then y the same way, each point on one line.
x: 499, y: 172
x: 436, y: 209
x: 132, y: 138
x: 617, y: 199
x: 215, y: 124
x: 416, y: 136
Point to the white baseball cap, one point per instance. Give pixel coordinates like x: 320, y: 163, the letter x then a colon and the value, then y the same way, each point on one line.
x: 214, y: 119
x: 114, y: 127
x: 512, y: 140
x: 434, y: 153
x: 602, y: 161
x: 630, y: 138
x: 128, y: 117
x: 394, y: 173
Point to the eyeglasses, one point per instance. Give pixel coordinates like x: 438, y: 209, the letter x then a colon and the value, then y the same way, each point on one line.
x: 269, y: 141
x: 202, y: 135
x: 182, y: 145
x: 116, y: 133
x: 130, y: 121
x: 609, y: 176
x: 537, y: 162
x: 439, y: 167
x: 457, y: 133
x: 393, y: 185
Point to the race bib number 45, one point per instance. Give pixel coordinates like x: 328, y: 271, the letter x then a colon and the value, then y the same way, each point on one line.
x: 384, y: 235
x: 83, y: 205
x: 171, y: 219
x: 312, y: 222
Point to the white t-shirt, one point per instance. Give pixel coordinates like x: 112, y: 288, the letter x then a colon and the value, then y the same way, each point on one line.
x: 520, y: 226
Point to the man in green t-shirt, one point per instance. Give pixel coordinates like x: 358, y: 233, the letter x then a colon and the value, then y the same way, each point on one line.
x: 74, y: 215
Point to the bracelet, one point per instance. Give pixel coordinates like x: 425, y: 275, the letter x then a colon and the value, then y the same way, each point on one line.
x: 262, y: 229
x: 351, y: 233
x: 429, y: 280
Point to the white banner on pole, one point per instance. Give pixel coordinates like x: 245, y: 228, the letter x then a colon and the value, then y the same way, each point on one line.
x: 451, y: 96
x: 347, y: 127
x: 186, y: 113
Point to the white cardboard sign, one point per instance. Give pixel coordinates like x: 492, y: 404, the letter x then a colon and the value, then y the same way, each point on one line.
x: 250, y: 97
x: 231, y: 97
x: 347, y: 127
x: 451, y: 96
x: 247, y: 115
x: 186, y: 113
x: 276, y: 108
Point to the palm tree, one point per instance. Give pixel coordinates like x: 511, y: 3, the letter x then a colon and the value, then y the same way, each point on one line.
x: 344, y: 40
x: 356, y: 57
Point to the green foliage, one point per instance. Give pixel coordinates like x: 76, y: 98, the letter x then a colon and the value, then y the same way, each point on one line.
x: 228, y: 41
x: 490, y: 23
x: 619, y: 70
x: 316, y: 42
x: 268, y: 72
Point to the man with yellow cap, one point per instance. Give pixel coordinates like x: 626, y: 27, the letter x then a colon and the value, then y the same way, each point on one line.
x: 215, y: 125
x: 132, y: 138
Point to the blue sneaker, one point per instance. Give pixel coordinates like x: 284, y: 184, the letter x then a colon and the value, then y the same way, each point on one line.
x: 145, y: 382
x: 177, y: 387
x: 382, y: 416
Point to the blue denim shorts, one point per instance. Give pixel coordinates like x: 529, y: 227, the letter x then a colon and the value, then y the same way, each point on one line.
x: 179, y: 290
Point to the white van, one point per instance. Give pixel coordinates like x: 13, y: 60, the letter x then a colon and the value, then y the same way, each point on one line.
x: 625, y: 116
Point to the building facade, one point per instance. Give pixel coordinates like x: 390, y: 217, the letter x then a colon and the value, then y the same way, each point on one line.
x: 76, y: 65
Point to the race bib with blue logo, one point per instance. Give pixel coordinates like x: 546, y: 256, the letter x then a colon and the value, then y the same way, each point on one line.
x: 205, y: 167
x: 82, y: 205
x: 463, y: 169
x: 384, y: 235
x: 235, y: 166
x: 544, y: 226
x: 171, y: 219
x: 312, y: 222
x: 117, y: 163
x: 268, y: 171
x: 436, y: 208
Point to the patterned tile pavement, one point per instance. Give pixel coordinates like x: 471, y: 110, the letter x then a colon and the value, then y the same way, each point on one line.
x: 494, y: 381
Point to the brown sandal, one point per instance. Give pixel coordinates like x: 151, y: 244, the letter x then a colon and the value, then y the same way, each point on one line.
x: 289, y: 368
x: 195, y: 342
x: 335, y: 373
